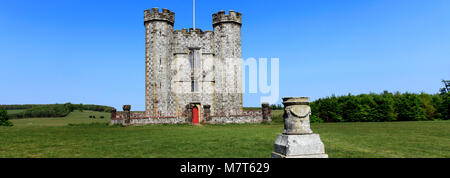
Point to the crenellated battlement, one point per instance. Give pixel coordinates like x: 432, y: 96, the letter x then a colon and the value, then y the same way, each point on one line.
x: 197, y: 31
x: 221, y: 17
x: 154, y: 14
x: 184, y: 40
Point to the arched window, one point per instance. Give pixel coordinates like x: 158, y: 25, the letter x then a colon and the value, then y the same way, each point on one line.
x: 194, y: 60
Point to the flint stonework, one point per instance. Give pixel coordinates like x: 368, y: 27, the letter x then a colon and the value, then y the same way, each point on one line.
x: 207, y: 111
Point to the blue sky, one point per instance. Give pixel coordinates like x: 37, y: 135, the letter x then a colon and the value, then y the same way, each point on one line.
x: 92, y: 51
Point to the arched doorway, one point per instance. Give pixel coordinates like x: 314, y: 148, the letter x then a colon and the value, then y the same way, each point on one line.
x: 195, y: 115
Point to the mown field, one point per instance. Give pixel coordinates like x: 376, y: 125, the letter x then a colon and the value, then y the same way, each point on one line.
x: 78, y: 136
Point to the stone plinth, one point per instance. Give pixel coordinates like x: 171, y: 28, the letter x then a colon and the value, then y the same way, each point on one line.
x: 297, y: 139
x: 299, y: 146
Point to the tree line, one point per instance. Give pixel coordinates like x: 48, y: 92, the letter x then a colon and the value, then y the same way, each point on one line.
x: 19, y: 106
x: 382, y: 107
x: 276, y: 107
x: 51, y: 110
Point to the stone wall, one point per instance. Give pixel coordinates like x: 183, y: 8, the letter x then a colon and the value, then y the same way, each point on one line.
x: 245, y: 118
x: 238, y: 119
x: 133, y: 118
x: 151, y: 121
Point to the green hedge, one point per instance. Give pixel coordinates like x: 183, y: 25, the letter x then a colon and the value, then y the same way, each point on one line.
x: 381, y: 107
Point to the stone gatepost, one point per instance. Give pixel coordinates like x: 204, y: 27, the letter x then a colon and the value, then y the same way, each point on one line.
x: 207, y: 112
x: 189, y: 108
x: 113, y: 113
x: 126, y: 115
x: 297, y: 139
x: 265, y: 112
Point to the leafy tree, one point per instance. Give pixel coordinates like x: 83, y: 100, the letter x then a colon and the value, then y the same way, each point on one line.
x: 408, y: 107
x: 69, y: 106
x: 445, y: 107
x: 386, y: 107
x: 4, y: 118
x: 350, y: 109
x: 426, y: 101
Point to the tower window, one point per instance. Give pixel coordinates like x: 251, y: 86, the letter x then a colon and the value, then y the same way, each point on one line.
x: 194, y: 86
x: 194, y: 59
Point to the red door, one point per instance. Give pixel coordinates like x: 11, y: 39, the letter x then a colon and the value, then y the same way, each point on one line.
x: 195, y: 115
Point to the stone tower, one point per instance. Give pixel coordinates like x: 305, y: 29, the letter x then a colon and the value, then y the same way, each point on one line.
x: 186, y: 69
x: 227, y: 42
x: 158, y: 57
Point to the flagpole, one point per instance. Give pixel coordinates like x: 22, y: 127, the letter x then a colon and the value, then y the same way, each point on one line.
x: 193, y: 13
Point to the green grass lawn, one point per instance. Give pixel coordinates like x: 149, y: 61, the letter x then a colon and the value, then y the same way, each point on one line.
x: 78, y: 136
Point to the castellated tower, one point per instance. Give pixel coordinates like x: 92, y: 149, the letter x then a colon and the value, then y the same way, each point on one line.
x: 193, y: 70
x: 158, y: 57
x: 227, y: 42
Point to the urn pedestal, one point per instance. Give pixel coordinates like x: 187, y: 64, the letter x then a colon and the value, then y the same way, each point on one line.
x: 297, y: 139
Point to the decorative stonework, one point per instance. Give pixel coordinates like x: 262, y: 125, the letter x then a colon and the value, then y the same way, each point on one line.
x: 297, y: 139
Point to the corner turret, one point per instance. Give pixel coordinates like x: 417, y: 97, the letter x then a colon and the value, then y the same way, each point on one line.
x: 221, y: 17
x: 158, y: 57
x: 155, y: 15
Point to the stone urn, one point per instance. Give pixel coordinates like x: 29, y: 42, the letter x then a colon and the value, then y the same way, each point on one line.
x: 297, y: 139
x: 296, y: 116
